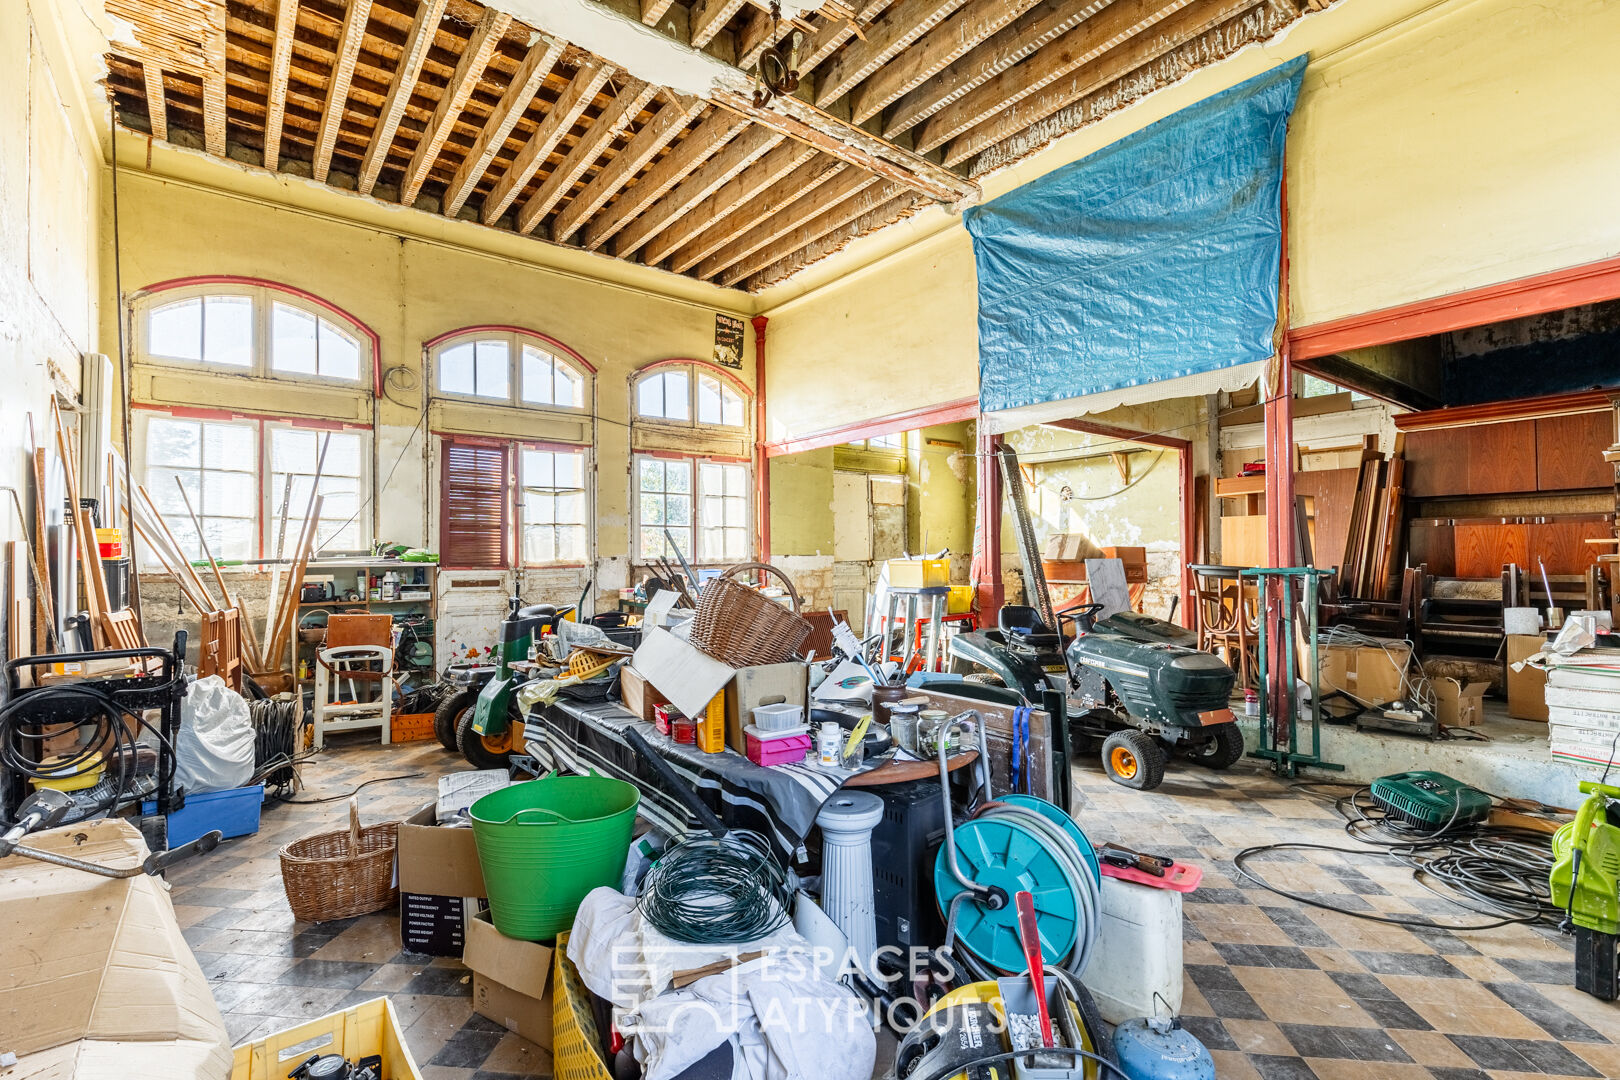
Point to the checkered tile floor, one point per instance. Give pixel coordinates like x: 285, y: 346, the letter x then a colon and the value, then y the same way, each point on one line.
x: 1275, y: 989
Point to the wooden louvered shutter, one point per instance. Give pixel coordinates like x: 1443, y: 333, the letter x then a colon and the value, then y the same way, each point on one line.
x: 473, y: 518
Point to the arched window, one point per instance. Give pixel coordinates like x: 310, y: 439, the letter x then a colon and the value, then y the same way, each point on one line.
x: 511, y: 367
x: 252, y: 328
x: 687, y: 394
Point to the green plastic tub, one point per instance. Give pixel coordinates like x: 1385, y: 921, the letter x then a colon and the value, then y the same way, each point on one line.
x: 544, y: 844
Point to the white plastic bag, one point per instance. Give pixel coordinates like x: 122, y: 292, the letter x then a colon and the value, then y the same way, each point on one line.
x: 215, y: 748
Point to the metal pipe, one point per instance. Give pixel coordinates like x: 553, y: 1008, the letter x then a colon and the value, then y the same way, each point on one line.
x: 982, y: 894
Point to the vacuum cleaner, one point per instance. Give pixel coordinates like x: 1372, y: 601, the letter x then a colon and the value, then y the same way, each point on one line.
x: 1585, y: 882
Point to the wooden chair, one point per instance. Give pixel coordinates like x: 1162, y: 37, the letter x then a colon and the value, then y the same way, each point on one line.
x: 219, y: 648
x: 1224, y: 616
x: 350, y: 640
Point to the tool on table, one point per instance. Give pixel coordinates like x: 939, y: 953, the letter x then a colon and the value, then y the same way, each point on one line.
x: 1127, y: 859
x: 1030, y: 936
x: 1585, y: 882
x: 47, y: 806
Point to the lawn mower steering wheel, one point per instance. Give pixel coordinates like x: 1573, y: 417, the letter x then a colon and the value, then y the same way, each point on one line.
x: 1083, y: 617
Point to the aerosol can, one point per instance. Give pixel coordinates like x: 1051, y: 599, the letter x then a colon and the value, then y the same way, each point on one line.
x: 1585, y: 882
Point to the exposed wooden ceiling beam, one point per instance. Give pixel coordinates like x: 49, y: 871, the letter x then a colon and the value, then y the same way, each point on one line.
x: 904, y: 23
x: 688, y: 154
x: 659, y: 132
x: 557, y: 122
x: 275, y: 99
x: 966, y: 28
x: 1126, y: 54
x: 826, y: 41
x: 787, y: 156
x: 798, y: 119
x: 653, y: 10
x: 619, y: 115
x: 815, y: 220
x: 213, y: 80
x: 765, y: 217
x: 337, y: 84
x: 531, y: 73
x: 902, y: 205
x: 829, y: 192
x: 737, y: 155
x: 997, y: 96
x: 759, y: 207
x: 157, y: 113
x: 423, y: 30
x: 470, y: 67
x: 709, y: 17
x: 1029, y: 32
x: 1259, y: 23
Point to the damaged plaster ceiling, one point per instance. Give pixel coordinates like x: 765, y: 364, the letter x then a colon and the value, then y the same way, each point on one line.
x: 629, y: 127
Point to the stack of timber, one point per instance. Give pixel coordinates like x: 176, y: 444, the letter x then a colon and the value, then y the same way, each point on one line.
x: 1372, y: 549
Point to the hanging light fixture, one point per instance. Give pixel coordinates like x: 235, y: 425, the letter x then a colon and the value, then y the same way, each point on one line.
x: 778, y: 69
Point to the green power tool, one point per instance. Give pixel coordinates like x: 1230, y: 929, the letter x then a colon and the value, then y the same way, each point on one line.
x: 1585, y: 882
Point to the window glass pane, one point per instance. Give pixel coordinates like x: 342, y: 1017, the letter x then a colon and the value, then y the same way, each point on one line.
x: 652, y: 543
x: 230, y: 446
x: 175, y: 330
x: 340, y: 353
x: 539, y: 544
x: 650, y: 396
x: 570, y: 470
x: 537, y: 381
x: 456, y: 369
x: 713, y: 511
x: 538, y: 468
x: 173, y: 442
x: 226, y: 493
x: 678, y: 511
x: 679, y: 475
x: 292, y: 341
x: 570, y: 388
x: 652, y: 509
x: 711, y: 479
x: 732, y: 407
x: 677, y: 394
x: 571, y: 543
x: 737, y: 512
x: 342, y: 455
x: 228, y: 330
x: 230, y: 538
x: 736, y: 541
x: 494, y: 368
x: 708, y: 400
x: 652, y: 474
x: 570, y: 508
x: 166, y: 497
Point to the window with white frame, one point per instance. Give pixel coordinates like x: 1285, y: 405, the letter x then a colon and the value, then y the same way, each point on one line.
x: 686, y: 393
x: 509, y: 367
x: 552, y: 507
x: 700, y: 505
x: 723, y: 497
x: 664, y: 507
x: 251, y: 329
x: 895, y: 441
x: 236, y: 474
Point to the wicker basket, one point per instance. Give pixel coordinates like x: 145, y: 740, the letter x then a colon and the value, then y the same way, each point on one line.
x: 336, y: 875
x: 742, y: 627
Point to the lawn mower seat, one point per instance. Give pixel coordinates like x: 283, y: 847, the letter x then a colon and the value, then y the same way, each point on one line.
x: 1021, y: 625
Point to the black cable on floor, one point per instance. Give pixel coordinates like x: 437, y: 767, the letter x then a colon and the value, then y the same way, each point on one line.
x: 355, y: 791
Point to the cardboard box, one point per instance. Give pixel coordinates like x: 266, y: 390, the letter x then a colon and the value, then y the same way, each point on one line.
x: 765, y: 684
x: 441, y: 885
x: 639, y: 695
x: 99, y: 982
x: 1371, y: 674
x: 1459, y: 704
x: 511, y: 980
x: 1526, y: 689
x: 682, y: 672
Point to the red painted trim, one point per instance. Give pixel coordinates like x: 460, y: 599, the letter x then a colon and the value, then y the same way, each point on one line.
x: 1535, y: 295
x: 1496, y: 412
x: 188, y: 412
x: 762, y: 468
x: 496, y: 440
x: 946, y: 413
x: 497, y: 328
x: 290, y: 290
x: 683, y: 361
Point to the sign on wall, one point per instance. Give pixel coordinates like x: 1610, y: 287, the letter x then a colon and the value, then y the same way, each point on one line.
x: 728, y: 340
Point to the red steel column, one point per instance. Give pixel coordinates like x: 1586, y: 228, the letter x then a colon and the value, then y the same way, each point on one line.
x: 762, y: 464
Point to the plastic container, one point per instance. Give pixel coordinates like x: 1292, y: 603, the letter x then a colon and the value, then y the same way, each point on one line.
x: 371, y: 1027
x: 1138, y: 952
x: 110, y: 542
x: 544, y: 844
x: 778, y: 717
x: 780, y: 751
x: 234, y: 813
x: 960, y: 600
x: 710, y: 733
x: 683, y: 730
x: 769, y: 736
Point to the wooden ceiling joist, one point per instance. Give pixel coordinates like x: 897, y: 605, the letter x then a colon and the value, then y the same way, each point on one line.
x: 588, y: 79
x: 632, y: 97
x: 157, y: 113
x: 213, y: 81
x: 972, y: 24
x: 673, y: 116
x: 902, y: 206
x: 337, y: 84
x: 491, y: 27
x: 709, y: 17
x: 790, y: 203
x: 1127, y: 53
x: 736, y: 156
x: 715, y: 131
x: 423, y: 31
x: 787, y: 156
x: 904, y: 23
x: 653, y: 10
x: 275, y: 103
x: 816, y: 220
x: 773, y: 199
x: 537, y: 64
x: 1030, y: 31
x: 999, y: 94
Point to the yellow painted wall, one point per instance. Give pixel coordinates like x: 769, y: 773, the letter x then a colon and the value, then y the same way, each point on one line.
x: 408, y: 288
x: 50, y: 208
x: 1436, y: 147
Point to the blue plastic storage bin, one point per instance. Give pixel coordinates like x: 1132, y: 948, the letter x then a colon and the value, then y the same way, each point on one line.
x: 234, y: 813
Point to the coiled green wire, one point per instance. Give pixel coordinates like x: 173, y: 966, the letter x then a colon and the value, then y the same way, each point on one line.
x: 710, y: 890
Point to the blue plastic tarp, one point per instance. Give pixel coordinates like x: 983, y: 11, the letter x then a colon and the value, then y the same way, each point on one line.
x: 1154, y: 258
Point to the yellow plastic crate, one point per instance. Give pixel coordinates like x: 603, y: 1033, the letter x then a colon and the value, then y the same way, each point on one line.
x: 371, y: 1027
x: 574, y: 1037
x: 960, y: 601
x: 919, y: 573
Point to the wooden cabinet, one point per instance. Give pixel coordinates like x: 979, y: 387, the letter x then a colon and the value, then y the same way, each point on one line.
x: 1485, y: 459
x: 1562, y: 545
x: 1432, y: 543
x: 1484, y: 547
x: 1569, y: 451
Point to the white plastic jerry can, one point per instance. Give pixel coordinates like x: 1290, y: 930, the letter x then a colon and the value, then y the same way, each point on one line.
x: 1138, y: 953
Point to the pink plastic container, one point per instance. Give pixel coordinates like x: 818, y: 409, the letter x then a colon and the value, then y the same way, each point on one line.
x: 778, y: 751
